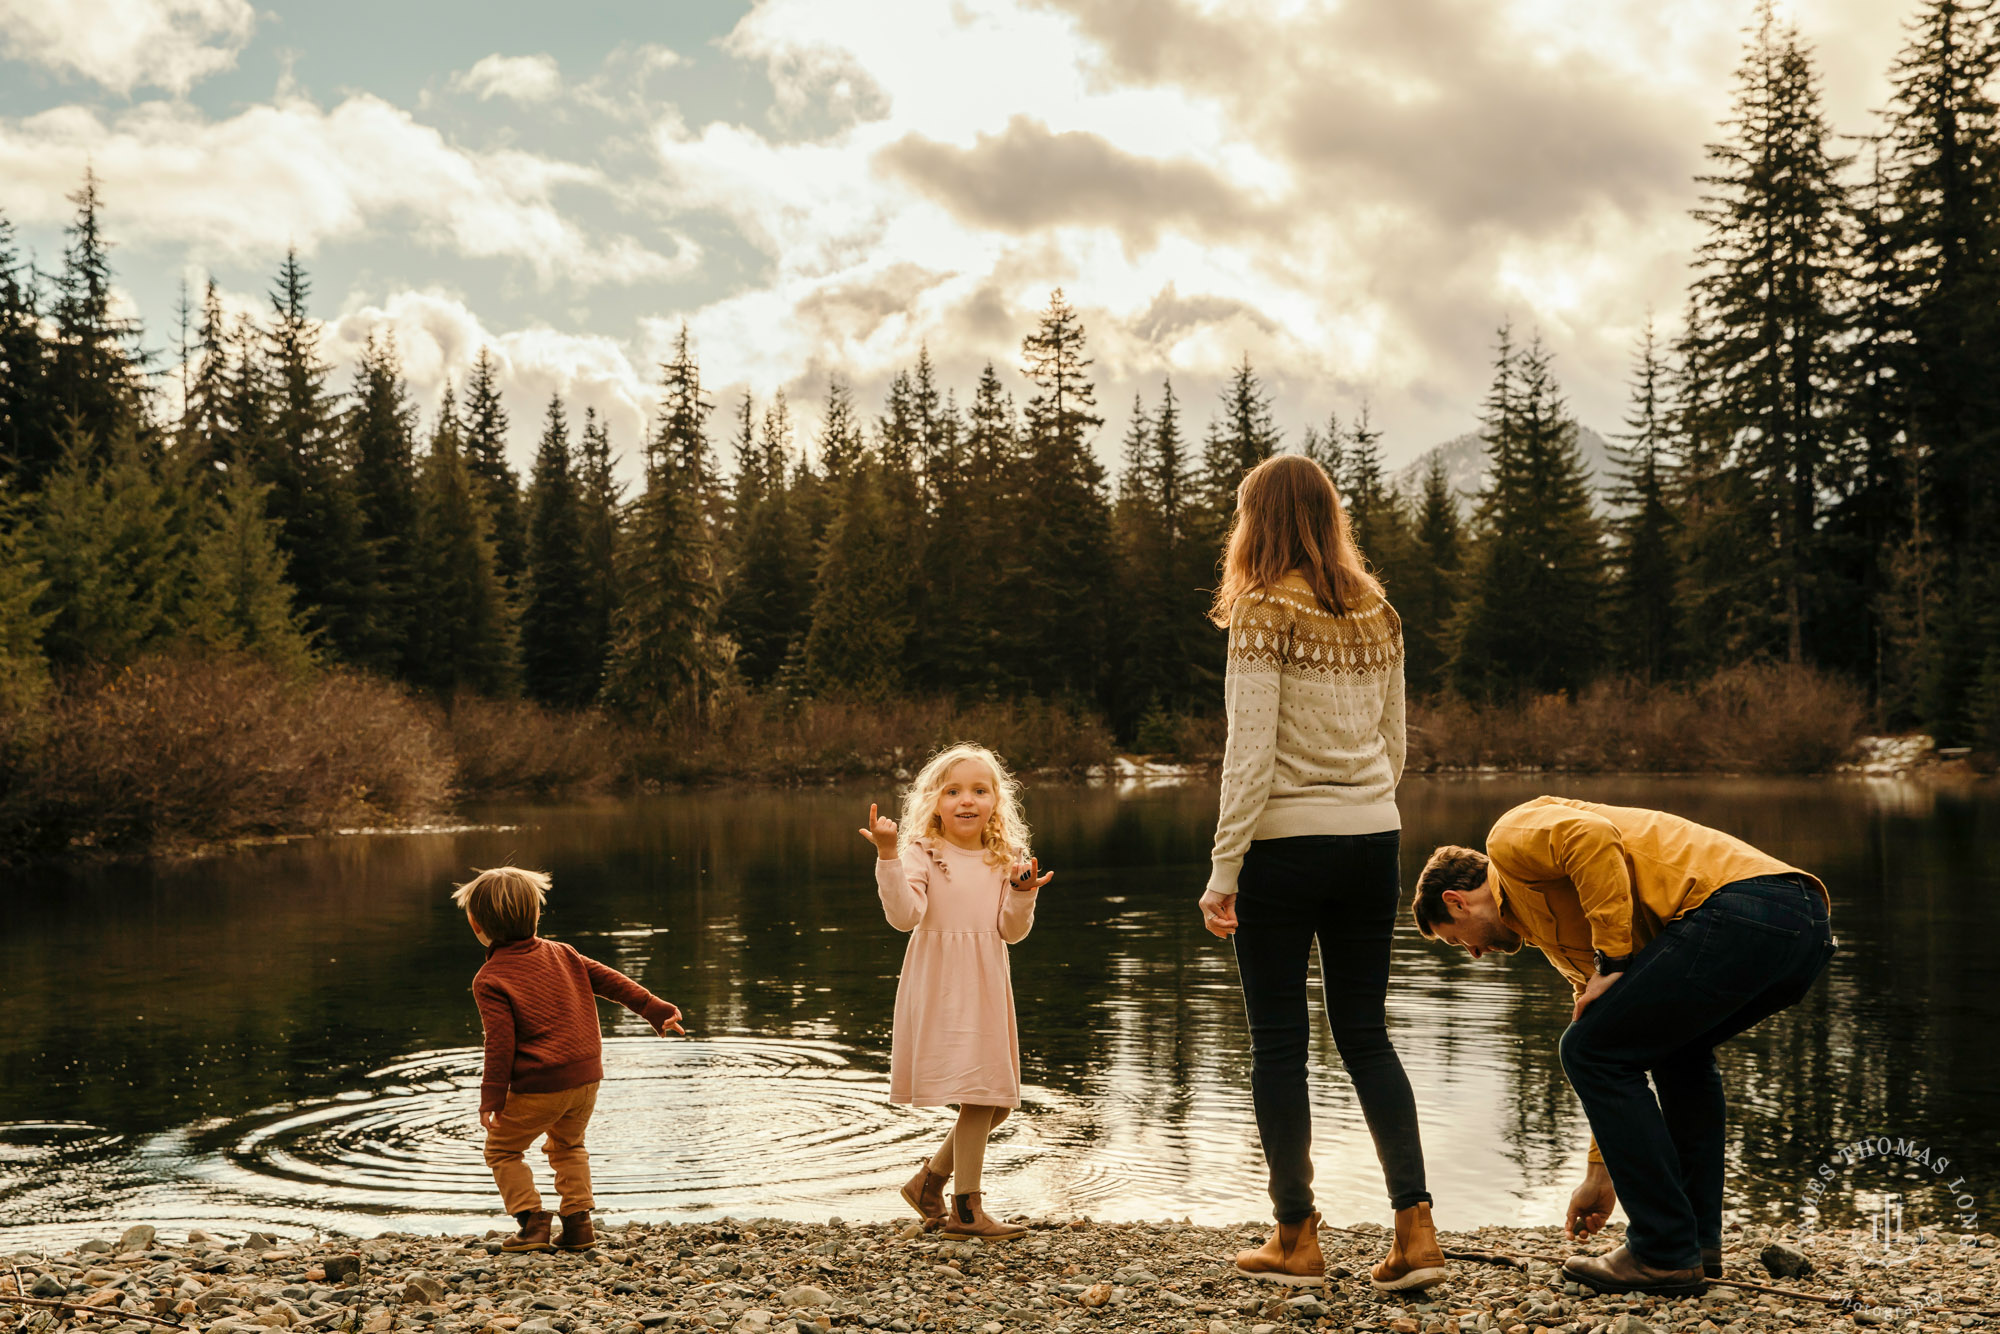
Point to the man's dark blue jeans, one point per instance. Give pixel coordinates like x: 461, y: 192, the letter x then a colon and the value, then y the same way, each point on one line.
x: 1751, y: 949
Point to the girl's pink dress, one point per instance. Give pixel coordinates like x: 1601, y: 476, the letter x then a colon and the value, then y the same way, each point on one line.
x: 955, y: 1040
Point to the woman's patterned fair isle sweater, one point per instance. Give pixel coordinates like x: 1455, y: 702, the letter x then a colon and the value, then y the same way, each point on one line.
x: 1316, y: 739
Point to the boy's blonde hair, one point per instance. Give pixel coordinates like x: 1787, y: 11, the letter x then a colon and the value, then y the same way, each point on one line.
x: 505, y: 902
x: 1005, y: 836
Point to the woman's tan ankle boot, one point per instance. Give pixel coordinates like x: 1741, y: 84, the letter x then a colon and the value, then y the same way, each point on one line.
x: 1415, y: 1258
x: 1289, y: 1255
x: 924, y: 1192
x: 969, y: 1219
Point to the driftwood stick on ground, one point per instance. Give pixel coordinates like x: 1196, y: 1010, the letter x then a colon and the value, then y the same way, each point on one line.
x: 91, y: 1310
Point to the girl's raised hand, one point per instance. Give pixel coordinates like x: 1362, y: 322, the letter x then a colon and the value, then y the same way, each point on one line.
x: 1022, y: 875
x: 881, y: 831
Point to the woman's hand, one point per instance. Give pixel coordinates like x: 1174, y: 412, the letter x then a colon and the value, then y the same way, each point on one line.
x: 1218, y: 914
x: 881, y: 831
x: 1022, y: 875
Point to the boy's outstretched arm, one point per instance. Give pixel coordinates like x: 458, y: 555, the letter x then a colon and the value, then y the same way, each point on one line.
x: 496, y: 1014
x: 608, y: 982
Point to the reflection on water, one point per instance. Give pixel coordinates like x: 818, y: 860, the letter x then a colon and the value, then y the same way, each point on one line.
x: 286, y: 1036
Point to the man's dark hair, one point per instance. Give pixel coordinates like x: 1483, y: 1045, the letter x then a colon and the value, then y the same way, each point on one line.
x: 1450, y: 867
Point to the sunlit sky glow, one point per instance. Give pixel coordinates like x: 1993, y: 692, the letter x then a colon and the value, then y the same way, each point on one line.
x: 1353, y: 194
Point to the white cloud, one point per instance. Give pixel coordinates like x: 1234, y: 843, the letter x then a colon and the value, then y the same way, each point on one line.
x: 438, y: 337
x: 291, y: 173
x: 127, y: 44
x: 521, y: 78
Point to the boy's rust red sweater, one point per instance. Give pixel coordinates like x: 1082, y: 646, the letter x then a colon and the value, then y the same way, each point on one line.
x: 536, y: 998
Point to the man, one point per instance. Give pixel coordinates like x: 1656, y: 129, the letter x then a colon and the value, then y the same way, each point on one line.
x: 1675, y: 937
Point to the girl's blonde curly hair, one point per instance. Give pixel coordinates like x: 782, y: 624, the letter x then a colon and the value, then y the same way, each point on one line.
x: 1006, y: 834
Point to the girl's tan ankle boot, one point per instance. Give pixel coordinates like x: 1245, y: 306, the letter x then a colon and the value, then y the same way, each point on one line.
x: 1290, y: 1255
x: 1415, y: 1258
x: 969, y: 1219
x: 924, y: 1192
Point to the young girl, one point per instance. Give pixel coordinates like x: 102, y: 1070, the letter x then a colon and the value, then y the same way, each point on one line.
x: 957, y: 875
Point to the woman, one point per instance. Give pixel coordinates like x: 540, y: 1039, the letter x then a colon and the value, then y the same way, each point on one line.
x: 1306, y: 847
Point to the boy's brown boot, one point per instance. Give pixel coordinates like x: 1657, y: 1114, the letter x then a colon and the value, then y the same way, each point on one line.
x: 1415, y: 1259
x: 534, y: 1233
x: 924, y: 1192
x: 969, y: 1219
x: 577, y: 1233
x: 1289, y: 1255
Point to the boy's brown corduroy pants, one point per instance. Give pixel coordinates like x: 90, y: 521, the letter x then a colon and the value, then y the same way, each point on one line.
x: 563, y: 1117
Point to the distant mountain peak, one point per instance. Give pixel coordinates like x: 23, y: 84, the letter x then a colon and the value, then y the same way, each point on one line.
x: 1465, y: 465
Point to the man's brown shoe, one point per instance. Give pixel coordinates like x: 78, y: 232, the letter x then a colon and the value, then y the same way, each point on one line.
x: 1621, y: 1271
x: 924, y: 1192
x: 577, y: 1233
x: 968, y: 1220
x: 1289, y: 1255
x: 534, y: 1233
x: 1415, y: 1259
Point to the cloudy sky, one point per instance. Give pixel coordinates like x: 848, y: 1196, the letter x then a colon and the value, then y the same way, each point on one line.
x: 1352, y: 192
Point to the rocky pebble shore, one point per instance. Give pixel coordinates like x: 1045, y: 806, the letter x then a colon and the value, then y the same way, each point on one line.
x: 767, y: 1276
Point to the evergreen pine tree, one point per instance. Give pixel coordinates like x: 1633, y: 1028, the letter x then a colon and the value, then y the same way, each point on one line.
x: 555, y: 606
x: 107, y: 536
x: 1943, y: 228
x: 24, y: 671
x: 381, y: 449
x: 1065, y: 534
x: 1241, y: 437
x: 995, y: 490
x: 1771, y: 323
x: 600, y: 503
x: 94, y: 372
x: 668, y: 659
x: 299, y: 456
x: 1429, y: 592
x: 861, y: 594
x: 1640, y: 621
x: 203, y: 435
x: 30, y: 433
x: 237, y: 595
x: 768, y: 606
x: 1375, y: 512
x: 1531, y: 616
x: 465, y: 640
x: 485, y: 448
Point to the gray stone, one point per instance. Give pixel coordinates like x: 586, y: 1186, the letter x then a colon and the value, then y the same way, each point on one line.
x: 139, y: 1237
x: 1782, y: 1261
x: 94, y: 1247
x: 538, y: 1326
x: 806, y: 1295
x: 1028, y: 1315
x: 48, y: 1285
x: 1136, y: 1277
x: 341, y: 1267
x: 423, y: 1289
x: 651, y: 1318
x: 1629, y: 1324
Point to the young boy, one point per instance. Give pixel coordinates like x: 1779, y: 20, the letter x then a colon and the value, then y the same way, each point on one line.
x: 544, y: 1051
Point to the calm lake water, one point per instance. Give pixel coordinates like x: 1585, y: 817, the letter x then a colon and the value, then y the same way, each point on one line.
x: 286, y: 1038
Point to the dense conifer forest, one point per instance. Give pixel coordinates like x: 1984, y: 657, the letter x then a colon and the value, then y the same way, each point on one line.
x: 1809, y: 476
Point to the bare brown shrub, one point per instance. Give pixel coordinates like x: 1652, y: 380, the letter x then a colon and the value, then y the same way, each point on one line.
x: 1757, y: 718
x: 775, y: 739
x: 187, y: 749
x: 512, y: 747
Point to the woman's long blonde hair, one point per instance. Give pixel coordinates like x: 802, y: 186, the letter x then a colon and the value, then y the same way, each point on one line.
x: 1006, y: 834
x: 1289, y: 517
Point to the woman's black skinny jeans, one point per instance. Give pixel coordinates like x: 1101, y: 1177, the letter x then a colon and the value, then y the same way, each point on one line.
x: 1342, y: 889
